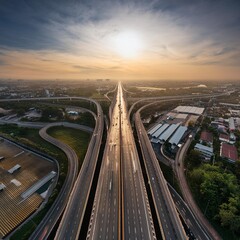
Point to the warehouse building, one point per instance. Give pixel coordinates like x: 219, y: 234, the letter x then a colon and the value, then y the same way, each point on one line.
x: 168, y: 133
x: 160, y: 130
x: 177, y: 136
x: 232, y: 124
x: 205, y: 151
x: 189, y: 110
x: 154, y: 129
x: 229, y: 151
x: 206, y: 138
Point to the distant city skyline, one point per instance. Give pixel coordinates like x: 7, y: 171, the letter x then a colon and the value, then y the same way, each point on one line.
x: 144, y: 39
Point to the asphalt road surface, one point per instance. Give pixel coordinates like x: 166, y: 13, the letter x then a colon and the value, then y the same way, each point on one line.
x: 168, y: 218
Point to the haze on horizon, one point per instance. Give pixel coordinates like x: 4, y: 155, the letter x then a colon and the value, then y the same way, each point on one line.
x: 121, y: 39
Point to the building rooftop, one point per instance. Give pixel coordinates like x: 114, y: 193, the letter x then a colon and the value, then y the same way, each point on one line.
x: 175, y: 139
x: 204, y: 148
x: 229, y: 151
x: 167, y: 134
x: 224, y: 136
x: 160, y: 130
x: 154, y: 128
x: 231, y: 124
x: 206, y: 136
x: 189, y: 109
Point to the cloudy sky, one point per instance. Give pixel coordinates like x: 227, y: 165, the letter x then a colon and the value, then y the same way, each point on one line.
x: 121, y: 39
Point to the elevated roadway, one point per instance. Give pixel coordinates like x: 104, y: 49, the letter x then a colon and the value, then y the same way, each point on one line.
x: 105, y: 220
x: 72, y: 220
x: 167, y: 215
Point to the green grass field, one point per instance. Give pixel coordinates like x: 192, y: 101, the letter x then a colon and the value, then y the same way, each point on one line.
x: 78, y: 140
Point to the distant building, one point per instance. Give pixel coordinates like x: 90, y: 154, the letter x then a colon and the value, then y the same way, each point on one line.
x: 154, y: 129
x: 189, y: 109
x: 168, y: 133
x: 206, y: 138
x: 224, y: 138
x: 229, y: 151
x: 205, y: 151
x: 222, y: 129
x: 177, y: 136
x: 232, y: 124
x: 72, y: 113
x: 232, y: 138
x: 160, y: 130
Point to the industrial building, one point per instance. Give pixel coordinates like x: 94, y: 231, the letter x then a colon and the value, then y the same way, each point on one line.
x: 177, y: 136
x: 231, y: 124
x: 154, y: 129
x: 168, y: 133
x: 189, y: 110
x: 229, y: 151
x: 160, y: 130
x: 206, y: 138
x: 206, y: 152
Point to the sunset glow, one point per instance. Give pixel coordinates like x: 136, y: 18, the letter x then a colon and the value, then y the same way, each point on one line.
x: 128, y: 44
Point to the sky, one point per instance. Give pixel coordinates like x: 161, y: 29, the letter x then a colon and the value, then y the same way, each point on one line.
x: 120, y: 39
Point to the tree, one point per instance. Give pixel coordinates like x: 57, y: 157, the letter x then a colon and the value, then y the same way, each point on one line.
x: 229, y: 214
x: 193, y: 159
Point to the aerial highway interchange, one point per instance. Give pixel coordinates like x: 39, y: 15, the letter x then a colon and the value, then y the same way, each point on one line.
x: 120, y: 208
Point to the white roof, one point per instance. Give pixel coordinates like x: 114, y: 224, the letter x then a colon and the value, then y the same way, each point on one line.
x: 182, y: 115
x: 175, y: 139
x: 189, y: 109
x: 231, y: 124
x: 38, y: 184
x: 13, y: 169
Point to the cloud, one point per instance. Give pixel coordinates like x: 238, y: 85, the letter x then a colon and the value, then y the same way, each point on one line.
x: 80, y: 33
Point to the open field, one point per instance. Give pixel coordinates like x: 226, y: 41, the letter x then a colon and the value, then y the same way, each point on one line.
x: 76, y: 139
x: 14, y: 209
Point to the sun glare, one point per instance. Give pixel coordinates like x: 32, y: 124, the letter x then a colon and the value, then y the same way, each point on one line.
x: 128, y: 44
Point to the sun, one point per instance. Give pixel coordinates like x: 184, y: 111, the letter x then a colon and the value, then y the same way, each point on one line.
x: 128, y: 44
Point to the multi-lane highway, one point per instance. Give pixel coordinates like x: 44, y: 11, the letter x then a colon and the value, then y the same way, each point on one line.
x: 168, y: 219
x: 137, y: 219
x: 121, y: 209
x: 105, y: 220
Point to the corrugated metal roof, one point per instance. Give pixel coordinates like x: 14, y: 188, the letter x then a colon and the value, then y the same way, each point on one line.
x: 206, y: 136
x: 204, y: 148
x: 229, y: 151
x: 154, y: 129
x: 175, y: 139
x: 160, y: 130
x: 167, y: 134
